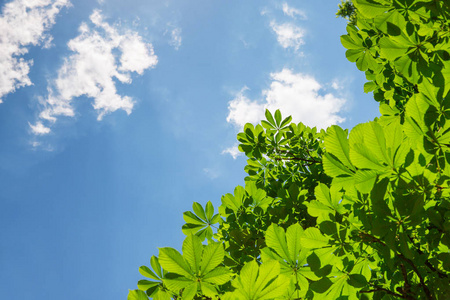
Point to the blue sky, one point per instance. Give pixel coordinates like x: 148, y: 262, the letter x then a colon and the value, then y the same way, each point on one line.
x: 117, y: 115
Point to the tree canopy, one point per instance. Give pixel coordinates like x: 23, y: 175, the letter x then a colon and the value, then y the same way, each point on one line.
x: 334, y: 214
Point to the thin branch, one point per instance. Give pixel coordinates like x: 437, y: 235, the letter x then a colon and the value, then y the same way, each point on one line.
x: 428, y: 294
x: 380, y: 289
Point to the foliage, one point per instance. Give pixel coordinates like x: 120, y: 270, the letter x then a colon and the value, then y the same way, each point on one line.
x: 334, y: 214
x: 347, y: 11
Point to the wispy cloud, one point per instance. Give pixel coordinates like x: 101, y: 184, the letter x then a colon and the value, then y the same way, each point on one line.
x: 94, y: 67
x: 233, y: 151
x: 294, y: 94
x: 288, y: 35
x: 293, y: 12
x: 23, y: 23
x: 211, y: 173
x: 175, y: 38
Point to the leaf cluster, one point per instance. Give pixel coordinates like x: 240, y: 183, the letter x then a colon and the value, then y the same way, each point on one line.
x: 337, y: 214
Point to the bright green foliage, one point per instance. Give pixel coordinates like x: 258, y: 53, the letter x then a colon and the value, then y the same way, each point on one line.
x: 195, y: 272
x: 337, y: 214
x: 201, y: 221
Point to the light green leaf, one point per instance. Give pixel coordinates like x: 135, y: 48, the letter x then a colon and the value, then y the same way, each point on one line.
x: 360, y: 155
x: 191, y: 218
x: 145, y: 271
x: 370, y: 8
x: 192, y: 251
x: 267, y: 272
x: 199, y: 211
x: 178, y: 283
x: 269, y: 117
x: 365, y: 180
x: 375, y: 141
x: 156, y: 266
x: 263, y: 283
x: 213, y: 255
x: 144, y: 285
x: 336, y: 143
x: 313, y: 238
x: 209, y: 210
x: 136, y: 295
x: 333, y: 167
x: 218, y: 276
x: 293, y: 236
x: 278, y: 117
x: 172, y: 261
x: 276, y: 239
x: 247, y: 279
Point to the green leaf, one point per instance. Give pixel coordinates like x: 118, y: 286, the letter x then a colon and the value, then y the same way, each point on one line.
x: 360, y: 154
x: 293, y: 236
x: 190, y: 218
x: 278, y: 117
x: 190, y: 291
x: 276, y: 239
x: 156, y: 266
x: 145, y: 271
x: 313, y: 238
x: 192, y: 252
x: 213, y: 255
x: 370, y: 8
x: 199, y: 211
x: 172, y: 261
x: 365, y: 180
x: 218, y: 276
x: 144, y: 285
x: 262, y: 283
x: 177, y: 283
x: 136, y: 295
x: 269, y: 118
x: 236, y: 201
x: 336, y: 143
x: 209, y: 209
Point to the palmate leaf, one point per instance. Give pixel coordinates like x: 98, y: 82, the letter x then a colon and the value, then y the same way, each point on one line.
x: 327, y: 202
x: 293, y: 261
x: 155, y: 289
x: 259, y: 282
x: 259, y: 196
x: 234, y: 202
x: 200, y: 222
x: 196, y: 270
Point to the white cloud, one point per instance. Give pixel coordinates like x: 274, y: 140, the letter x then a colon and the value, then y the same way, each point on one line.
x: 93, y: 68
x: 39, y: 128
x: 243, y: 110
x: 293, y: 12
x: 288, y: 35
x: 233, y: 151
x: 336, y: 85
x: 23, y: 23
x: 211, y: 173
x: 294, y: 94
x: 176, y: 39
